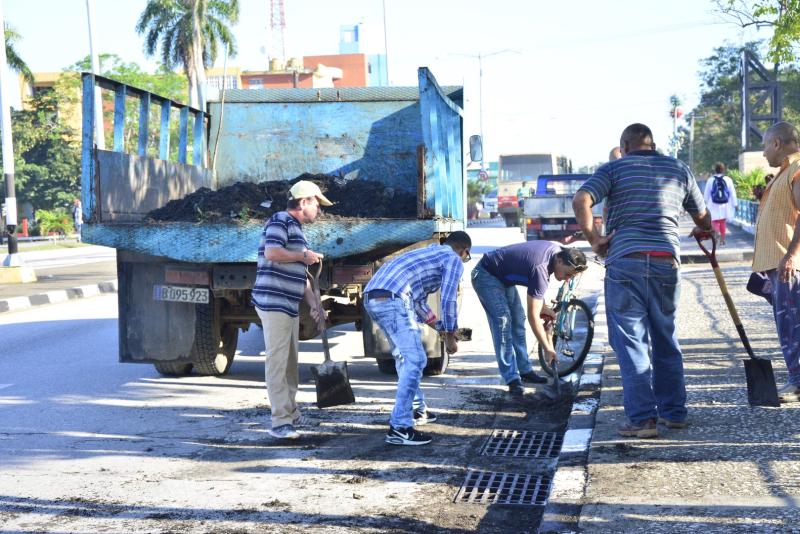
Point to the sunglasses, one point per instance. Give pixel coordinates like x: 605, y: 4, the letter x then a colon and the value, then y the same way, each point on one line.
x: 578, y: 268
x: 466, y: 258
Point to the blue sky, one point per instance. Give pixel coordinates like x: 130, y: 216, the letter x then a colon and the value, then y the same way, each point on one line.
x: 576, y: 74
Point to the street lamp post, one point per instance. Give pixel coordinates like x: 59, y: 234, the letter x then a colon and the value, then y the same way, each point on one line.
x: 12, y: 259
x: 479, y: 56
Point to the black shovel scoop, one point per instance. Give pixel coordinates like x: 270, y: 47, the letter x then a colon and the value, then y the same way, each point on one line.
x: 333, y: 383
x: 761, y: 388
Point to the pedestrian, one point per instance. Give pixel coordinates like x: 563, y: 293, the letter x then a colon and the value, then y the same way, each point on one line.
x: 522, y: 193
x: 281, y: 282
x: 720, y: 199
x: 77, y: 217
x: 758, y: 190
x: 396, y: 300
x: 495, y: 280
x: 614, y: 154
x: 645, y: 192
x: 777, y: 246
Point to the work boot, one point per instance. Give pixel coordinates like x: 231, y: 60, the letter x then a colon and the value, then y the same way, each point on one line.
x: 515, y: 389
x: 672, y: 424
x: 789, y: 393
x: 645, y: 429
x: 532, y: 378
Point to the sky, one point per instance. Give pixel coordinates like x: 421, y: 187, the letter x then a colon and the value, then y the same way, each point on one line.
x: 563, y: 77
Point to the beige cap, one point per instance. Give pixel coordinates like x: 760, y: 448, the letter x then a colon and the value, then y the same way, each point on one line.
x: 306, y: 189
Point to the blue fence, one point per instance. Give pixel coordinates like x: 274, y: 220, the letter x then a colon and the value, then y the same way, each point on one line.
x: 747, y: 211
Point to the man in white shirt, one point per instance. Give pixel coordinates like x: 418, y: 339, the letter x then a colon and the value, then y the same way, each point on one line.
x: 720, y: 197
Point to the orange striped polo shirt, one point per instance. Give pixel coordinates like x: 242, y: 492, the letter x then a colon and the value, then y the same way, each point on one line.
x: 777, y: 216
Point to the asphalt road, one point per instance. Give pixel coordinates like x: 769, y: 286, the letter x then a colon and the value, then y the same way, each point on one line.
x: 89, y: 444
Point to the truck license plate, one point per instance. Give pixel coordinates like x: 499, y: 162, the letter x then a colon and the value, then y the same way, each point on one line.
x: 197, y: 295
x: 552, y: 227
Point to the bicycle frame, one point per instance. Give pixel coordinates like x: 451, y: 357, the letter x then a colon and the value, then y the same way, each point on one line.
x: 564, y: 324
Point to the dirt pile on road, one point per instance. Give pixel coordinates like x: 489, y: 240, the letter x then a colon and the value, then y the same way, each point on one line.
x: 242, y: 201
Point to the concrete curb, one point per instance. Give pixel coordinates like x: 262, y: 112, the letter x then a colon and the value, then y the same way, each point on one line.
x: 564, y: 504
x: 54, y: 297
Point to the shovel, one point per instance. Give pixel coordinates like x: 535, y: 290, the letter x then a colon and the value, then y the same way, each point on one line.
x: 333, y: 384
x: 761, y: 388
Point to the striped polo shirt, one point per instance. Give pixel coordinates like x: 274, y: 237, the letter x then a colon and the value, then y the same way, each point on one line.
x: 645, y: 192
x: 279, y: 286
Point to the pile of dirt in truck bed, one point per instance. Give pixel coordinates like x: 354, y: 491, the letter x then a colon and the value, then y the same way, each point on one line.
x: 242, y: 201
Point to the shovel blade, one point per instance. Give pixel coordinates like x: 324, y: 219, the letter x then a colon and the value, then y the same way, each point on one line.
x: 333, y: 384
x: 761, y: 387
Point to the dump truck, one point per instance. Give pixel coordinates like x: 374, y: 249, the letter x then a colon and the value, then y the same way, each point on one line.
x: 548, y: 213
x: 185, y: 287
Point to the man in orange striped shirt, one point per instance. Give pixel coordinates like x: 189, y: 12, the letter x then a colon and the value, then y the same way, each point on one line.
x: 777, y: 246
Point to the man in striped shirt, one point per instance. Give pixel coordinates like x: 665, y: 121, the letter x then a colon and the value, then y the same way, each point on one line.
x: 396, y: 300
x: 645, y: 192
x: 281, y: 282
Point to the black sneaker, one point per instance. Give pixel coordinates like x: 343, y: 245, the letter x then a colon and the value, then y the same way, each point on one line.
x: 533, y: 378
x: 423, y: 417
x: 516, y: 389
x: 406, y: 436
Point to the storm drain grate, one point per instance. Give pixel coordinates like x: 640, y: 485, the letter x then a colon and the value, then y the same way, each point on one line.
x: 488, y: 487
x: 524, y: 444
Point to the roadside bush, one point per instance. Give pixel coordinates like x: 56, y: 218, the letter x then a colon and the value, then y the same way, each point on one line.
x: 54, y: 221
x: 745, y: 183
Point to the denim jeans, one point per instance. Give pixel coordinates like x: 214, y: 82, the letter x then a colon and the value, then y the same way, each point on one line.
x: 786, y: 310
x: 641, y: 298
x: 397, y: 319
x: 506, y: 318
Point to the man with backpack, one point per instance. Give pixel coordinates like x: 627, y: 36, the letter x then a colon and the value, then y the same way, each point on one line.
x: 720, y: 197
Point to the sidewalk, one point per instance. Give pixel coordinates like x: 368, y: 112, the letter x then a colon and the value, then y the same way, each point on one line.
x: 736, y: 468
x: 738, y: 247
x: 62, y: 275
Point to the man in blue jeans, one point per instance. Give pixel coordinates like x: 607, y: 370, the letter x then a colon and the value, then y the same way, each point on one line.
x: 645, y: 192
x: 495, y: 279
x: 395, y: 299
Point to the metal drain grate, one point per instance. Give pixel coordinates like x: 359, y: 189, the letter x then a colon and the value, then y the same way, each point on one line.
x: 487, y: 487
x: 523, y: 444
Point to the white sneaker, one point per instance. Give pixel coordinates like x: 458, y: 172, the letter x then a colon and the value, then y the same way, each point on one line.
x: 789, y: 393
x: 284, y: 432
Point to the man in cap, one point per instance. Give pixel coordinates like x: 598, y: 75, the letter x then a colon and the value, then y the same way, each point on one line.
x: 396, y: 300
x: 283, y: 257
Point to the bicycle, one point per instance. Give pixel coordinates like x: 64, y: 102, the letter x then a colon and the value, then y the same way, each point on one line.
x: 572, y: 330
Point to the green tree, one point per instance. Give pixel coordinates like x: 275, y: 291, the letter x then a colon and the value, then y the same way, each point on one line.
x: 188, y: 34
x: 46, y: 154
x: 718, y: 116
x: 13, y: 59
x: 782, y: 15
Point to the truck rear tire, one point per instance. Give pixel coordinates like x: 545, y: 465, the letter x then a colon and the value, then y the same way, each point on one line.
x: 173, y: 368
x: 437, y: 366
x: 214, y: 345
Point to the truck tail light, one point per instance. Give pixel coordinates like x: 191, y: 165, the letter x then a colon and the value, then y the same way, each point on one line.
x: 534, y: 224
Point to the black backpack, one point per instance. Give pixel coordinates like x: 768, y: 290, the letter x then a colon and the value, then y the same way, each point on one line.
x: 719, y: 190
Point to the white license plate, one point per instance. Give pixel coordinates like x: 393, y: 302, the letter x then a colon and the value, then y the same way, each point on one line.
x: 552, y: 227
x: 197, y: 295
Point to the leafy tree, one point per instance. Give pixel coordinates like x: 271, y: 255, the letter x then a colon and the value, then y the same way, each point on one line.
x: 188, y: 33
x: 13, y: 59
x: 57, y: 221
x: 718, y: 116
x: 745, y: 183
x: 46, y: 154
x: 782, y: 15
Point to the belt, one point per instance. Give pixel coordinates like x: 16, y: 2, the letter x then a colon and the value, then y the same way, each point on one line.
x: 651, y: 257
x: 379, y: 294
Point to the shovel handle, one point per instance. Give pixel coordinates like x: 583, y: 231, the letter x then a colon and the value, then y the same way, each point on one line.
x: 712, y: 254
x: 314, y: 271
x: 712, y: 258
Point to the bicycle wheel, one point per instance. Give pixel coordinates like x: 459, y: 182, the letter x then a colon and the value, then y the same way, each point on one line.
x: 573, y: 342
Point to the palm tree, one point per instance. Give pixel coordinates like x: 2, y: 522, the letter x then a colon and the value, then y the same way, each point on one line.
x: 15, y: 62
x: 189, y: 33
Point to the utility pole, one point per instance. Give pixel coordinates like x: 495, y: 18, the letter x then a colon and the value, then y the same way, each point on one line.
x: 479, y: 56
x: 13, y: 270
x: 385, y: 45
